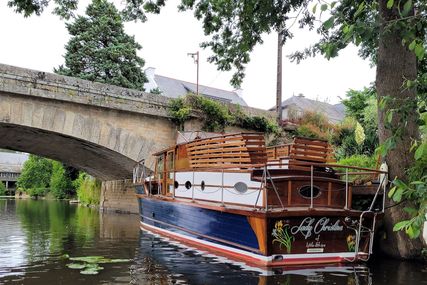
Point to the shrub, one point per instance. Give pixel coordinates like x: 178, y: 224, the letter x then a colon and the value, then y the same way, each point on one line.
x: 358, y: 161
x: 179, y: 112
x: 216, y: 116
x: 88, y: 189
x: 315, y: 125
x: 2, y: 189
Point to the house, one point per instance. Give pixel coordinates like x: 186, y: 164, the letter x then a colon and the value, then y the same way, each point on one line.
x: 175, y: 88
x: 11, y: 164
x: 295, y: 106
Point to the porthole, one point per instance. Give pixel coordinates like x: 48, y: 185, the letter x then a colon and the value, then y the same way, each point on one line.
x: 202, y: 185
x: 188, y: 184
x: 176, y: 184
x: 241, y: 187
x: 305, y: 191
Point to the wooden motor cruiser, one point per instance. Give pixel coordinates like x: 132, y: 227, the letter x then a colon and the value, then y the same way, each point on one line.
x: 267, y: 206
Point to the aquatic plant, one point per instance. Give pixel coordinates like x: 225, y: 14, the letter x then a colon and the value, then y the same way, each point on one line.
x: 89, y: 265
x: 281, y: 235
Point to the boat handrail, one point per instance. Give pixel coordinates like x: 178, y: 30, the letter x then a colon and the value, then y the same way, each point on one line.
x: 140, y: 175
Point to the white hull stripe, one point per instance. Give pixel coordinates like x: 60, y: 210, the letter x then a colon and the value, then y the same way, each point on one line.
x: 349, y: 255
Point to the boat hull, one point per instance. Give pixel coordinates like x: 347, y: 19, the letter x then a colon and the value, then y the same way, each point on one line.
x: 257, y: 240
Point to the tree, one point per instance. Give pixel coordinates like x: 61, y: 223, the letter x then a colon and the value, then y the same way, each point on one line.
x: 60, y: 181
x: 3, y: 189
x: 35, y: 176
x: 100, y: 50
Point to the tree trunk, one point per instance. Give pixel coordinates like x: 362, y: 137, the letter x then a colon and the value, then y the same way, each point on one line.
x: 395, y: 64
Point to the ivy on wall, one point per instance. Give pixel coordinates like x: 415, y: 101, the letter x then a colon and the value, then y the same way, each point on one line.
x: 216, y: 116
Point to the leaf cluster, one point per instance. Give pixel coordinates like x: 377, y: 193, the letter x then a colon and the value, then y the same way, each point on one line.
x: 216, y: 115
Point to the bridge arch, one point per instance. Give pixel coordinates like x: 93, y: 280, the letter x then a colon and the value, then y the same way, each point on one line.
x: 99, y: 128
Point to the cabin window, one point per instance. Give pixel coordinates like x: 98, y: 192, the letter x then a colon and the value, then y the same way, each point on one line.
x: 305, y: 191
x: 241, y: 187
x: 188, y: 184
x: 160, y: 167
x: 176, y: 184
x: 202, y: 185
x: 170, y: 160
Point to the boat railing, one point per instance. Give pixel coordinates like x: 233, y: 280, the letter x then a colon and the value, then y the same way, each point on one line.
x: 315, y: 170
x: 139, y: 172
x: 346, y: 172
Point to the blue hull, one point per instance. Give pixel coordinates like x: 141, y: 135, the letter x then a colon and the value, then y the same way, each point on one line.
x: 222, y: 228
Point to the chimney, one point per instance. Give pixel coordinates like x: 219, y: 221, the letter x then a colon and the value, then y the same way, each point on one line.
x: 151, y: 84
x: 149, y: 72
x: 301, y: 95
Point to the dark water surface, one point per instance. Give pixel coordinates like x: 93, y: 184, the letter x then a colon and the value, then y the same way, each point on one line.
x: 34, y: 236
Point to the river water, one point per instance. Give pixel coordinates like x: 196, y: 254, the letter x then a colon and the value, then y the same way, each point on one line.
x: 35, y: 236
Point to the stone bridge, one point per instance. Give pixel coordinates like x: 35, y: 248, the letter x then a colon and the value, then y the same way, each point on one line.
x: 99, y: 128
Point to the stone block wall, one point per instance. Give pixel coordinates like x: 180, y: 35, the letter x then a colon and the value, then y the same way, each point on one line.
x: 118, y: 196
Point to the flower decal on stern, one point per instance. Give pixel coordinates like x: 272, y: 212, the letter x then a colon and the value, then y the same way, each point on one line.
x: 281, y: 236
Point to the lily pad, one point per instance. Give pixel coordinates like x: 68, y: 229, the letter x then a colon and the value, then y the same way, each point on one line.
x: 91, y: 269
x: 76, y: 265
x: 90, y: 264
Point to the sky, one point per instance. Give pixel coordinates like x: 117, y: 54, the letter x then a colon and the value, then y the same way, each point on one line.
x: 38, y: 43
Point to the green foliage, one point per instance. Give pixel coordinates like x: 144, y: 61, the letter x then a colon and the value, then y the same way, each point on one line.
x: 358, y: 160
x: 415, y: 190
x: 361, y: 108
x: 88, y: 189
x: 100, y: 50
x: 357, y: 101
x: 2, y: 189
x: 179, y: 111
x: 35, y: 176
x: 90, y: 264
x: 60, y: 182
x: 156, y: 91
x: 216, y: 116
x: 256, y: 123
x: 316, y: 125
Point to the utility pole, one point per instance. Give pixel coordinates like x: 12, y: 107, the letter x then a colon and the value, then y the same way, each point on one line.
x: 195, y: 57
x: 279, y: 78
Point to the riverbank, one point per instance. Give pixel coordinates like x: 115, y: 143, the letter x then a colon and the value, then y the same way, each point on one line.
x: 115, y: 196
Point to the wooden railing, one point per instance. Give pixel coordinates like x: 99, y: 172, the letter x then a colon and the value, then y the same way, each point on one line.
x: 303, y: 149
x: 234, y: 150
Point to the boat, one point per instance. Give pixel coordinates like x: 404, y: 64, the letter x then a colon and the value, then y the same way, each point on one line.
x: 285, y: 205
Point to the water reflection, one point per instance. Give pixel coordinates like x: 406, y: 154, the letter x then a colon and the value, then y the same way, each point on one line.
x: 35, y: 234
x: 162, y: 261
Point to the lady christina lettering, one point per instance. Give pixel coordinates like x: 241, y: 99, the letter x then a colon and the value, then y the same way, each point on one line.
x: 309, y: 226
